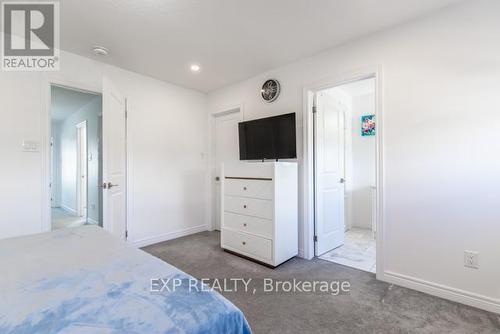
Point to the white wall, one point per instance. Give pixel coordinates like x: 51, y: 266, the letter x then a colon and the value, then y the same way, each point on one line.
x: 441, y: 78
x: 167, y: 148
x: 67, y: 144
x: 363, y: 163
x: 168, y: 165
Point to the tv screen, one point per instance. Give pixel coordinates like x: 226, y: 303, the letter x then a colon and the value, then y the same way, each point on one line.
x: 268, y: 138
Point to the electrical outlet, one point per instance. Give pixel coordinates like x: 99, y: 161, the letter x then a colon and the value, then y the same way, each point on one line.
x: 471, y: 259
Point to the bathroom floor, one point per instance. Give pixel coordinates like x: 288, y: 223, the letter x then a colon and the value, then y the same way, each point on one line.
x: 357, y: 252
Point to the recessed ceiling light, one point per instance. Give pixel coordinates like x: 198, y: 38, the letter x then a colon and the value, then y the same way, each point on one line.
x: 100, y: 51
x: 195, y: 68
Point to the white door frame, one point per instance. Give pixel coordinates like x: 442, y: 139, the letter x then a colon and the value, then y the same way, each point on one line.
x: 211, y: 224
x: 82, y: 201
x: 45, y: 134
x: 308, y: 168
x: 51, y: 177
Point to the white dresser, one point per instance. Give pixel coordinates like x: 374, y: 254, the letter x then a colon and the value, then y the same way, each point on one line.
x: 259, y: 210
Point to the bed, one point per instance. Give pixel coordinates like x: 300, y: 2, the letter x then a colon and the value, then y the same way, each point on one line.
x: 83, y: 280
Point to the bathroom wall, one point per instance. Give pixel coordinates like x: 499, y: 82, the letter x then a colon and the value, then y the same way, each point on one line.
x: 363, y: 163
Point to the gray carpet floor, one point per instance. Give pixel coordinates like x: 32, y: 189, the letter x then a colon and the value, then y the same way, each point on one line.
x: 370, y: 307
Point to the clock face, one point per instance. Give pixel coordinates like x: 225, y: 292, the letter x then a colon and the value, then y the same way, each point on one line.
x: 270, y: 90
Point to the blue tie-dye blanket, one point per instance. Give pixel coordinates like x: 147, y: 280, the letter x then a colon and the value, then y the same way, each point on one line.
x: 83, y: 280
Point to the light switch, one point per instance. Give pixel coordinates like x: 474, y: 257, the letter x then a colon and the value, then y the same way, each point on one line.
x: 30, y: 146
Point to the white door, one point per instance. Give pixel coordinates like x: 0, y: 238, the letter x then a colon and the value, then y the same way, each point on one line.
x: 226, y: 150
x: 114, y: 160
x: 52, y: 176
x: 329, y: 173
x: 82, y: 158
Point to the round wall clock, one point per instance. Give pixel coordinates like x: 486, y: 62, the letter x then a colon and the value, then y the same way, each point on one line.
x: 270, y: 90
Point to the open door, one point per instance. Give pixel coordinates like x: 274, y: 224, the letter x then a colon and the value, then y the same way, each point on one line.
x: 114, y: 160
x: 225, y: 152
x: 329, y: 173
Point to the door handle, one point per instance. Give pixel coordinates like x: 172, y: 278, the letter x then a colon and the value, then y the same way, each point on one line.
x: 217, y: 178
x: 110, y: 185
x: 342, y: 180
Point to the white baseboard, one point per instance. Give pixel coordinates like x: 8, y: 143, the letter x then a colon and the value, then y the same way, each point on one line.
x: 443, y: 291
x: 168, y: 236
x: 92, y: 221
x: 69, y: 210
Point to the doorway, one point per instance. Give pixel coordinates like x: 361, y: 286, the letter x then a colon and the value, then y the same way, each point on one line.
x: 76, y: 167
x: 106, y: 157
x: 344, y: 178
x: 225, y: 150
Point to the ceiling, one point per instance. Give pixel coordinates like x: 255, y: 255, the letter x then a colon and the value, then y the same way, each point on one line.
x: 65, y: 102
x: 357, y: 88
x: 230, y: 39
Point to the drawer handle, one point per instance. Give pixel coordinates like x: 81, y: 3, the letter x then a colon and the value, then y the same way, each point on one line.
x: 244, y: 206
x: 244, y: 188
x: 244, y: 243
x: 245, y: 224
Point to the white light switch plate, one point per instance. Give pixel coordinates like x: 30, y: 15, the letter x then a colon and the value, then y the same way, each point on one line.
x: 30, y: 146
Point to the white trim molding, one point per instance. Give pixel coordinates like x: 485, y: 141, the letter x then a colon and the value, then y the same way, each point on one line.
x: 442, y: 291
x: 69, y: 210
x: 81, y: 203
x: 307, y: 167
x: 211, y: 159
x: 168, y: 236
x: 92, y: 221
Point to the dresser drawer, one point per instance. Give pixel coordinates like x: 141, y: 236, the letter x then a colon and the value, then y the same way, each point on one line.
x: 246, y: 244
x: 248, y: 224
x: 249, y: 206
x: 262, y: 189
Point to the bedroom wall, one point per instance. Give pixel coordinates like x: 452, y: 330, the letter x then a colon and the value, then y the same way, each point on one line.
x: 441, y: 78
x: 168, y: 165
x: 167, y: 147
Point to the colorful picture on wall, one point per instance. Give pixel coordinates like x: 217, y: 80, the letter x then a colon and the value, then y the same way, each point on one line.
x: 368, y: 125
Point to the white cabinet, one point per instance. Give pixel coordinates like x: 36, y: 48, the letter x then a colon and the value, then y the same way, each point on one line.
x: 259, y: 206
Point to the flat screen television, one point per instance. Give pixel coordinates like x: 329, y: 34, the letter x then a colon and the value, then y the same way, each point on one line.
x: 268, y: 138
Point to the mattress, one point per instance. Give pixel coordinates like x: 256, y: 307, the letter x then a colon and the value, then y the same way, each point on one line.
x: 83, y: 280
